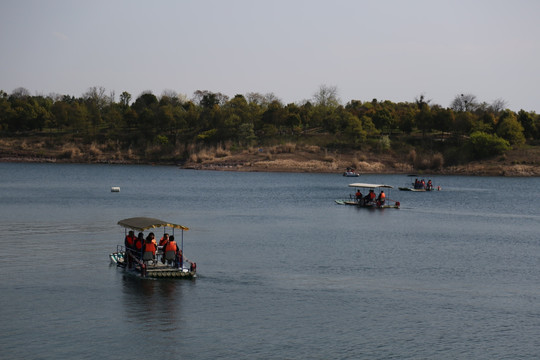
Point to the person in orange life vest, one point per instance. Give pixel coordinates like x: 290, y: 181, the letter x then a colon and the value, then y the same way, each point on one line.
x: 171, y: 246
x: 164, y: 239
x: 371, y: 196
x: 382, y: 197
x: 129, y: 243
x: 358, y: 194
x: 152, y: 238
x: 150, y: 245
x: 139, y: 242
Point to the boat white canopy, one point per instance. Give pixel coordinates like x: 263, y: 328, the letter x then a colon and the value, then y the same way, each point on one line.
x: 145, y: 223
x: 371, y: 186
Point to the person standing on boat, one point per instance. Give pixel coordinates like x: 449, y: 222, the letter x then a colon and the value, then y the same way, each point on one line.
x: 139, y: 245
x: 129, y: 243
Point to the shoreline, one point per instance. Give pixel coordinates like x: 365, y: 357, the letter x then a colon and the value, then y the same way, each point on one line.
x: 304, y: 166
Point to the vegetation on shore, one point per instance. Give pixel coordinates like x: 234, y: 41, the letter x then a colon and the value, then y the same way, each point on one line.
x: 256, y: 132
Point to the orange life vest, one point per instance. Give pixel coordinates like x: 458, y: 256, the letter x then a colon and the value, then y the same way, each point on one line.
x: 170, y: 246
x: 150, y: 247
x: 382, y: 196
x: 130, y: 241
x: 163, y: 241
x: 138, y: 244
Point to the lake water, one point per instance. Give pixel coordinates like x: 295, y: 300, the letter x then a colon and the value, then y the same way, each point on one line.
x: 283, y: 271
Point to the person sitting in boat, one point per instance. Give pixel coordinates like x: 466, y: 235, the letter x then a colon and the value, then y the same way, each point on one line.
x: 367, y: 198
x: 382, y: 198
x: 164, y: 239
x: 429, y: 185
x: 358, y: 195
x: 152, y: 238
x: 171, y: 245
x: 370, y: 197
x: 150, y: 245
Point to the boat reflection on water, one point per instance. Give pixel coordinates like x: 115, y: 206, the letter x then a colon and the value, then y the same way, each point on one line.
x: 156, y: 303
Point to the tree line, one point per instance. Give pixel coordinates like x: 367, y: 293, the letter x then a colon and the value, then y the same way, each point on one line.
x: 464, y: 131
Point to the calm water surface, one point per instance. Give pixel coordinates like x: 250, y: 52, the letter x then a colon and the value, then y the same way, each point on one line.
x: 284, y: 272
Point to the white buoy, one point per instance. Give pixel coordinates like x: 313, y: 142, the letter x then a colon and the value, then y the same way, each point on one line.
x: 115, y: 189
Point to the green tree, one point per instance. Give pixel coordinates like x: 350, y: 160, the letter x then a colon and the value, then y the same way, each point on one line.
x: 246, y: 134
x: 510, y: 129
x: 424, y: 120
x: 125, y: 99
x: 354, y: 130
x: 273, y: 118
x: 6, y: 113
x: 96, y: 101
x: 527, y: 121
x: 484, y: 145
x: 368, y: 126
x: 78, y: 116
x: 60, y: 111
x: 384, y: 120
x: 464, y: 122
x: 443, y: 119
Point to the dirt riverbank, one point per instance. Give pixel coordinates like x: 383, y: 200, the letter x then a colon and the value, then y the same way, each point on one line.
x: 514, y: 164
x: 284, y: 158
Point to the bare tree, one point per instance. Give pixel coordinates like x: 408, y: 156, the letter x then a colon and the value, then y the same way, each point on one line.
x: 498, y: 105
x: 261, y: 99
x: 96, y: 95
x: 464, y: 102
x: 421, y: 101
x: 326, y: 96
x: 171, y: 94
x: 20, y: 92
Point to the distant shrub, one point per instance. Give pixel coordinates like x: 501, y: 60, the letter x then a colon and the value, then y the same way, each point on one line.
x: 70, y: 151
x: 222, y: 152
x: 485, y: 145
x: 94, y: 150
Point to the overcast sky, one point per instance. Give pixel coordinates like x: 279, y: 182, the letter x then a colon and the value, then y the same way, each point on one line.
x: 389, y: 50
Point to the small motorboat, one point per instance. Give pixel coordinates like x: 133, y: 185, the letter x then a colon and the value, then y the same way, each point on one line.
x: 350, y: 172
